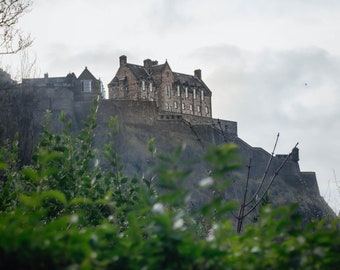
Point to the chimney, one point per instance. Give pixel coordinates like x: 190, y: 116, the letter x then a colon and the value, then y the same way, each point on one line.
x: 147, y: 64
x: 122, y: 60
x: 198, y: 73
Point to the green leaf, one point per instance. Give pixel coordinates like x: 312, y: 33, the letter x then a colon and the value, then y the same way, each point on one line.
x: 30, y: 201
x: 30, y: 173
x: 3, y: 166
x: 54, y: 194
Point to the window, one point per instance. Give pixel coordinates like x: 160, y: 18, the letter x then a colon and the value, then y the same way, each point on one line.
x: 166, y: 106
x: 183, y: 106
x: 150, y: 86
x: 191, y: 107
x: 143, y: 85
x: 202, y: 95
x: 186, y: 92
x: 194, y: 93
x: 87, y: 86
x: 175, y: 105
x: 206, y: 110
x: 178, y: 91
x: 168, y: 90
x: 198, y: 108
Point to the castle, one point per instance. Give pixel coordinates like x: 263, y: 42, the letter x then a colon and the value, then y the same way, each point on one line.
x: 86, y: 85
x: 172, y: 91
x: 150, y: 101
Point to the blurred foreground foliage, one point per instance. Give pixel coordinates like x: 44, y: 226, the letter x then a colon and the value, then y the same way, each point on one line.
x: 64, y: 211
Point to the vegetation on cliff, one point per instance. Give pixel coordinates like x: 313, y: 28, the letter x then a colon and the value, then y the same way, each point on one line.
x: 64, y: 211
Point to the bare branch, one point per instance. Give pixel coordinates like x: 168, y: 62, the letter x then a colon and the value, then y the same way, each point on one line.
x: 265, y: 172
x: 12, y: 40
x: 271, y: 182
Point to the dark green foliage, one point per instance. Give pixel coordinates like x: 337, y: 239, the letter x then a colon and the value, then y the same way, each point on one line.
x: 65, y: 211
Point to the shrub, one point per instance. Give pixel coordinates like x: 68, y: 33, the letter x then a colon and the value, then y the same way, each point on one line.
x: 65, y: 212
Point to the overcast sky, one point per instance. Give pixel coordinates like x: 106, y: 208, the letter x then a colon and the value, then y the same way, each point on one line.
x: 272, y: 65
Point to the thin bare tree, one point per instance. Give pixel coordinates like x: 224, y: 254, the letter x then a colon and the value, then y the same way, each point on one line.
x: 12, y: 40
x: 28, y: 66
x: 249, y: 206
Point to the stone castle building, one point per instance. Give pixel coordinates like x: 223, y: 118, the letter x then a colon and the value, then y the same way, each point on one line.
x: 86, y: 85
x: 172, y: 91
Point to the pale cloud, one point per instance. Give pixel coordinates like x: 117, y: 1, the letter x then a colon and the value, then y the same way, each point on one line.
x: 294, y: 92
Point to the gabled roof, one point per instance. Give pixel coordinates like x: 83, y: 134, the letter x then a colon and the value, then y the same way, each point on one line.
x: 158, y: 68
x: 190, y: 80
x: 86, y: 75
x: 147, y: 71
x: 139, y: 71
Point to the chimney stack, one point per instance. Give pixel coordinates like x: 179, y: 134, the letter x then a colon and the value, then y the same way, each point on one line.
x: 147, y: 64
x: 198, y: 73
x: 122, y: 60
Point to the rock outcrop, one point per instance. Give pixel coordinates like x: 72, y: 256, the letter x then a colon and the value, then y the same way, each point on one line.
x: 22, y: 109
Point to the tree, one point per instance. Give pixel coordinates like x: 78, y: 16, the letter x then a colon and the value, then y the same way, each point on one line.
x: 28, y: 66
x: 12, y: 40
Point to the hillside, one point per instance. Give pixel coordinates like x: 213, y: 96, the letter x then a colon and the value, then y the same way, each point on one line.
x: 23, y: 108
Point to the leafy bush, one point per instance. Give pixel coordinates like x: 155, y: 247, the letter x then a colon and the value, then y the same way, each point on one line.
x: 66, y: 212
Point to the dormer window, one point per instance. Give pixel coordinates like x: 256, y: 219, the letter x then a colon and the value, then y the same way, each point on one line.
x: 186, y: 92
x: 87, y: 86
x: 202, y: 95
x: 178, y: 91
x: 150, y: 87
x: 143, y: 85
x: 194, y: 93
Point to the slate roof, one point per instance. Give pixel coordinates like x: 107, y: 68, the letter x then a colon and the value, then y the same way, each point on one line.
x: 190, y: 80
x: 139, y: 71
x: 158, y: 68
x: 86, y: 75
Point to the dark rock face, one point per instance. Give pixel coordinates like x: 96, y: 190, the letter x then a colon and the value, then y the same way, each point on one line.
x: 22, y: 110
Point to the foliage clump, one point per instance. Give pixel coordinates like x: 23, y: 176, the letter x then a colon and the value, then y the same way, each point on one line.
x: 65, y: 211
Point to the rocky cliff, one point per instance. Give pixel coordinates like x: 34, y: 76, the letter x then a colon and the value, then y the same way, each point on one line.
x: 22, y: 110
